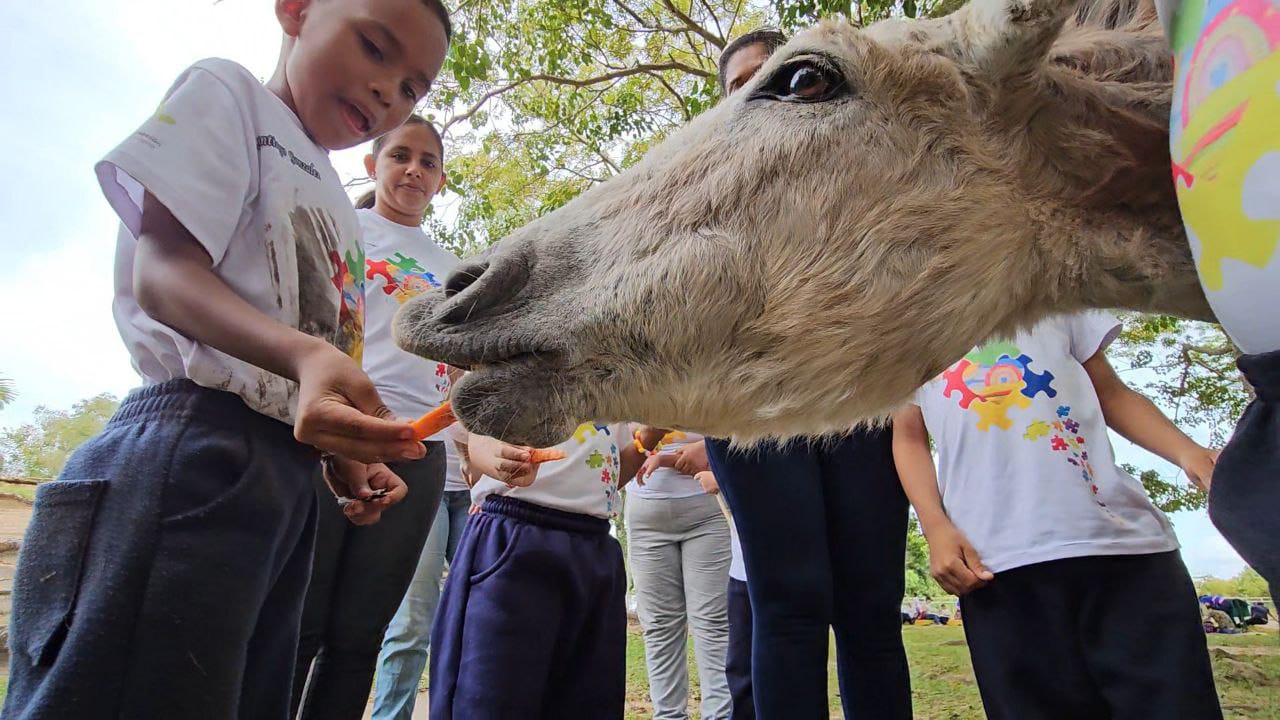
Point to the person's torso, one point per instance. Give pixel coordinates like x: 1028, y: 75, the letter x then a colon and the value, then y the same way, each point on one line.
x: 1225, y: 143
x: 294, y: 253
x: 400, y: 263
x: 667, y: 483
x: 585, y: 482
x: 1025, y: 466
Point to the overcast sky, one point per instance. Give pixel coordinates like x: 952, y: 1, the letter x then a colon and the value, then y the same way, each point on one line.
x: 78, y: 77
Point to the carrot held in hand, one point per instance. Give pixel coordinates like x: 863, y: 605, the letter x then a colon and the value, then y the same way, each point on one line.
x: 434, y: 421
x: 546, y: 455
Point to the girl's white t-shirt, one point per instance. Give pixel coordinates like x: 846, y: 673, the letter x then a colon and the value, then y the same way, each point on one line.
x: 453, y: 480
x: 400, y: 263
x: 234, y: 165
x: 1025, y: 466
x: 667, y: 483
x: 586, y: 482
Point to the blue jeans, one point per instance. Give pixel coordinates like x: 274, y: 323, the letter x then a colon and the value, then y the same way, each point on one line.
x: 823, y: 527
x: 403, y: 658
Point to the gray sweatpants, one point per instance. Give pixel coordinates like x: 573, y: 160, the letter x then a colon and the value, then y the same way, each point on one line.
x: 679, y: 556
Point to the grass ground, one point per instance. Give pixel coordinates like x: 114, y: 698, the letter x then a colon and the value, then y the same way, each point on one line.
x: 1247, y: 669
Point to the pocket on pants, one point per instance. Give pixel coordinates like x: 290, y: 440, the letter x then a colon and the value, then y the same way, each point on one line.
x: 49, y: 571
x: 494, y: 551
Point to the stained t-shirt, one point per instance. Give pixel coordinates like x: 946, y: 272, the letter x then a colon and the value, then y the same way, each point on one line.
x: 400, y: 263
x: 586, y: 482
x: 234, y: 165
x: 1225, y: 142
x: 1025, y: 466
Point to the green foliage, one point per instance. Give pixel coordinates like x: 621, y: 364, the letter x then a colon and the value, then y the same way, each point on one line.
x: 1247, y: 584
x: 1191, y: 374
x: 919, y: 581
x: 39, y: 449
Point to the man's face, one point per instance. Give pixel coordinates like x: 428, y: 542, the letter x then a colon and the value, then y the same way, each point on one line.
x: 743, y: 65
x: 358, y: 67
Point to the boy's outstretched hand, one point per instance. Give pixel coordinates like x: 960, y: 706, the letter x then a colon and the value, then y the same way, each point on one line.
x: 1198, y: 465
x: 501, y: 461
x: 339, y: 411
x: 368, y: 489
x: 954, y: 563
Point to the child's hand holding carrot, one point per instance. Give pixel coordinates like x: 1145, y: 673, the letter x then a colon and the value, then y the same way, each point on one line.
x: 512, y: 464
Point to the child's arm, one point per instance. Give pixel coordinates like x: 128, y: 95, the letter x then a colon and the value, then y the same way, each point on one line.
x: 630, y: 463
x: 1138, y: 419
x: 508, y: 463
x: 953, y: 562
x: 338, y: 408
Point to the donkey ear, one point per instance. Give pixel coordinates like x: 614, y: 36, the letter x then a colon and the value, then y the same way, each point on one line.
x: 1003, y: 40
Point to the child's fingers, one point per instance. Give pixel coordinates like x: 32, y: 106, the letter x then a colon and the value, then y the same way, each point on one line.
x: 362, y: 513
x: 342, y: 429
x: 382, y: 478
x: 514, y: 452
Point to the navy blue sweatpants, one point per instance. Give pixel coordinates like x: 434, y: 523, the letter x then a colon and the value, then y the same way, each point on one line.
x: 532, y: 622
x: 163, y: 572
x: 823, y: 528
x: 1115, y: 638
x: 1244, y: 500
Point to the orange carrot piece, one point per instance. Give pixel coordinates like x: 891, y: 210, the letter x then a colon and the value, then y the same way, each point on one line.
x: 434, y: 421
x: 546, y: 455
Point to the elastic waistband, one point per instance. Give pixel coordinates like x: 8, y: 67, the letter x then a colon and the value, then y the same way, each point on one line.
x: 544, y: 516
x: 1263, y: 373
x: 184, y: 400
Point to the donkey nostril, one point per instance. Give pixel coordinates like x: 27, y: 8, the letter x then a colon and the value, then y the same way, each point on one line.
x: 462, y: 278
x: 481, y: 285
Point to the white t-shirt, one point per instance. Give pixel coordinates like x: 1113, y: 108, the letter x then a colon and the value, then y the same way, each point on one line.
x: 586, y: 482
x: 1025, y: 466
x: 667, y: 483
x: 400, y: 263
x: 235, y: 167
x: 453, y: 480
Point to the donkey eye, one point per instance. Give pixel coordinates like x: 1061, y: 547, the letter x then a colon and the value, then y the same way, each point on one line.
x: 803, y: 81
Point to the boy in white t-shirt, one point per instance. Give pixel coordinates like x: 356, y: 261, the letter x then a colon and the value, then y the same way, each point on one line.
x: 163, y: 573
x: 532, y: 621
x: 1027, y: 508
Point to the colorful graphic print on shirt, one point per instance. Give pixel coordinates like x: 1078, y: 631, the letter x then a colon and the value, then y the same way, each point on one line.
x: 609, y: 466
x: 404, y: 278
x: 997, y: 379
x: 1223, y: 138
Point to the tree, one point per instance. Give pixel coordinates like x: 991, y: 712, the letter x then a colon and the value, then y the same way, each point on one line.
x: 1246, y: 584
x: 920, y: 582
x: 1192, y: 377
x: 7, y: 392
x: 39, y: 449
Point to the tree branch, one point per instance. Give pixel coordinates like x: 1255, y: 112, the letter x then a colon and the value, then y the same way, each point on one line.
x: 573, y: 82
x: 689, y: 23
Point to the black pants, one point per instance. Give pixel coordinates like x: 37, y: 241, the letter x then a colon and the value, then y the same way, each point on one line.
x: 1115, y: 637
x: 823, y: 528
x: 163, y: 572
x: 359, y: 577
x: 737, y: 661
x: 1244, y: 500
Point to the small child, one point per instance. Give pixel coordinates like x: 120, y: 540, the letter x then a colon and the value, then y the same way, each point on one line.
x: 163, y: 573
x: 1028, y: 509
x: 533, y: 621
x: 360, y: 573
